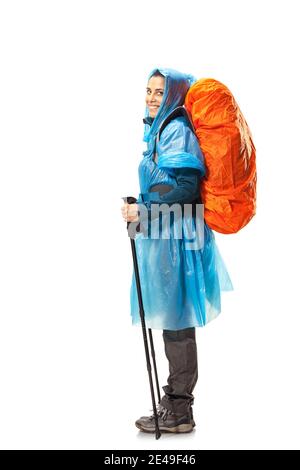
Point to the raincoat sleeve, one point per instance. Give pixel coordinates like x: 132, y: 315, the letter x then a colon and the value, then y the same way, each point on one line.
x: 186, y: 191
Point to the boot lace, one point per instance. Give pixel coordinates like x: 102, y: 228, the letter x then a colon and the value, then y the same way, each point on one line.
x: 162, y: 413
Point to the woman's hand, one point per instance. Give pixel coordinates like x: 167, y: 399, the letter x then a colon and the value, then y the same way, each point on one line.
x: 130, y: 212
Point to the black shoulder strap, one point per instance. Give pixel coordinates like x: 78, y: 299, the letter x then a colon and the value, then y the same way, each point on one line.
x: 179, y: 111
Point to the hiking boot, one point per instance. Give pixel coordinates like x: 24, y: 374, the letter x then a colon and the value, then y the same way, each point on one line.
x: 167, y: 422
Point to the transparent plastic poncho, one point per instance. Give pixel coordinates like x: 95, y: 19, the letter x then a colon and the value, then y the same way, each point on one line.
x: 181, y: 270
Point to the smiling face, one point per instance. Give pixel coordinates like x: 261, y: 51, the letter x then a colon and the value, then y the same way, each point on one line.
x: 154, y: 94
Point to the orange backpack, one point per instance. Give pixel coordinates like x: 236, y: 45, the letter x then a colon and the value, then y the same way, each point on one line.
x: 228, y: 190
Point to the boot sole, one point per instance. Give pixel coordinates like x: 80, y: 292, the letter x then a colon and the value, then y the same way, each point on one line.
x: 181, y: 428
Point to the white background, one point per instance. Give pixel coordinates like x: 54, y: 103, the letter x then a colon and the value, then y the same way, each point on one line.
x: 73, y: 78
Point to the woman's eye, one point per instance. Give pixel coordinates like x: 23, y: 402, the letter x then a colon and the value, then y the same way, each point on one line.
x: 159, y: 92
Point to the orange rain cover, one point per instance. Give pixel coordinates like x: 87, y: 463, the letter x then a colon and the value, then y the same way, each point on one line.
x: 228, y: 190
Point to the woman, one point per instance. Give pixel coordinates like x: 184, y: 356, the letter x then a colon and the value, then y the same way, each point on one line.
x: 181, y: 281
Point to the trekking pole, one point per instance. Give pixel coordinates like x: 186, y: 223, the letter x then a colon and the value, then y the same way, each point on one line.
x: 132, y: 200
x: 154, y: 363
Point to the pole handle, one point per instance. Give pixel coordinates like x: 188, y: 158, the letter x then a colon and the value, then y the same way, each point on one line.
x: 131, y: 200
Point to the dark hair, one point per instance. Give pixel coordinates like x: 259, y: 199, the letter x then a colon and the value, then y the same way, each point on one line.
x: 158, y: 74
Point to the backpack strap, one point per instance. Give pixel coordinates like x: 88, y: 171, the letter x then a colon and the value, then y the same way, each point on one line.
x: 179, y: 111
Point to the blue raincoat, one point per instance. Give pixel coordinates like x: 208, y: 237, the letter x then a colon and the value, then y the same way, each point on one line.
x: 181, y: 276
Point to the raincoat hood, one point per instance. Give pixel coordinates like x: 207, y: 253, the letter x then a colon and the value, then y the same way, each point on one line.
x: 176, y: 87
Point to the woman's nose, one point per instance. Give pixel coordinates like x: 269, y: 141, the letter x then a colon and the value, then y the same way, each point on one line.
x: 152, y: 98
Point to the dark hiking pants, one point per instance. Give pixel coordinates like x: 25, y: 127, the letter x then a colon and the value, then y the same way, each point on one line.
x: 181, y: 351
